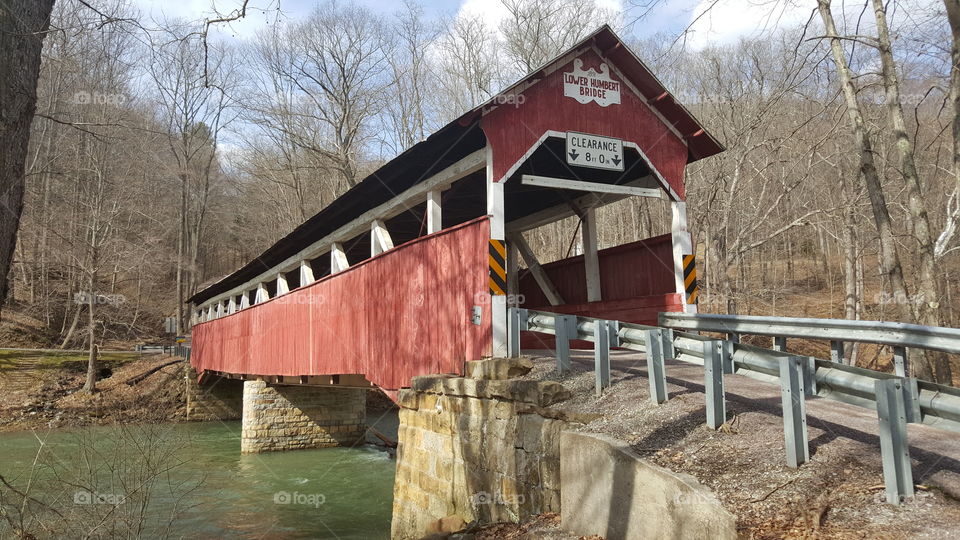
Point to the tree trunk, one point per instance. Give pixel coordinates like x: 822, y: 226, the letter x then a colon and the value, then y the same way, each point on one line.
x: 889, y: 257
x: 23, y: 25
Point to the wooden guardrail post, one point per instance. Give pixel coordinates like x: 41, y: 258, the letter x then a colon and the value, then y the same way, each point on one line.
x: 891, y: 410
x: 793, y: 397
x: 656, y: 371
x: 713, y: 383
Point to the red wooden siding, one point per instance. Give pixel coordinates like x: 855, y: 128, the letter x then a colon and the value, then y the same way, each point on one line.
x: 512, y: 130
x: 631, y: 270
x: 636, y: 280
x: 403, y: 313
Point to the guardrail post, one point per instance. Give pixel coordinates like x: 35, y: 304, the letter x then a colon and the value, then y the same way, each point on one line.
x: 564, y: 329
x: 836, y: 351
x: 517, y: 321
x: 897, y: 472
x: 900, y: 361
x: 614, y: 327
x: 780, y: 343
x: 726, y: 356
x: 911, y: 400
x: 810, y: 376
x: 792, y: 370
x: 667, y: 349
x: 601, y: 354
x: 713, y: 383
x: 656, y: 371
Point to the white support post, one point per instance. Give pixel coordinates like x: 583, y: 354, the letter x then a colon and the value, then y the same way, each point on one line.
x: 262, y: 294
x: 591, y: 261
x: 210, y: 312
x: 498, y: 302
x: 380, y: 240
x: 282, y: 286
x: 434, y: 213
x: 513, y: 275
x: 232, y: 305
x: 218, y: 310
x: 338, y: 258
x: 245, y: 300
x: 682, y: 245
x: 306, y: 273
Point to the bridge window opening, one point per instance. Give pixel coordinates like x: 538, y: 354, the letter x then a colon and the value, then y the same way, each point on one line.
x: 320, y: 266
x: 271, y: 287
x: 238, y: 299
x: 252, y: 296
x: 293, y: 279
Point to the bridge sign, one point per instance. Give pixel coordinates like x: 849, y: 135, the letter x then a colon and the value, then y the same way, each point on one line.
x: 585, y: 150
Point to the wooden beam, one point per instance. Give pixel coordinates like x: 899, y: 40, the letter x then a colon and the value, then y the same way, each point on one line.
x: 593, y: 187
x: 434, y: 212
x: 380, y: 240
x: 262, y: 294
x: 232, y: 305
x: 591, y: 261
x: 469, y: 164
x: 306, y: 273
x: 541, y: 277
x: 338, y: 258
x: 282, y: 286
x: 564, y: 210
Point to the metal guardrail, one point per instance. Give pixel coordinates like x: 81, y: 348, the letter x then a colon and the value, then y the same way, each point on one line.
x: 897, y: 399
x: 900, y: 336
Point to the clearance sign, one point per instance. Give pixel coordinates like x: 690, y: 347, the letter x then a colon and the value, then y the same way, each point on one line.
x: 588, y: 85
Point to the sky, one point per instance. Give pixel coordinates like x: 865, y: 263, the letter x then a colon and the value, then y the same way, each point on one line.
x: 710, y: 21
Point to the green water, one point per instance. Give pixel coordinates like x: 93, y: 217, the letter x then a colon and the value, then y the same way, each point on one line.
x: 210, y: 490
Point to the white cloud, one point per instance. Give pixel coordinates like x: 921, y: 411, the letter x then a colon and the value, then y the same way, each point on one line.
x: 493, y: 11
x: 721, y: 22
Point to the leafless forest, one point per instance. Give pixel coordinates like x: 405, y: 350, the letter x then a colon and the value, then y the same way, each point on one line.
x: 162, y: 156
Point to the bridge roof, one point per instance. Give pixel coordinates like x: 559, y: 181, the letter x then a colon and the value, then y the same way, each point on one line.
x: 455, y: 141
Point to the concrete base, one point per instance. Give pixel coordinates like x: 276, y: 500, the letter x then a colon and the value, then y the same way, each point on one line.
x: 278, y: 417
x: 607, y: 490
x: 215, y: 399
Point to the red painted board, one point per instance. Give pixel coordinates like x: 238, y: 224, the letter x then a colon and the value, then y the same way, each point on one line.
x: 512, y: 130
x: 403, y: 313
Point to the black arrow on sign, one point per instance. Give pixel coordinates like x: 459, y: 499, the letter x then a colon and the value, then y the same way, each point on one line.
x: 574, y: 155
x: 616, y: 161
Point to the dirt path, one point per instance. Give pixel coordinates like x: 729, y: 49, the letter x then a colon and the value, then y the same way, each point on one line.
x: 838, y: 494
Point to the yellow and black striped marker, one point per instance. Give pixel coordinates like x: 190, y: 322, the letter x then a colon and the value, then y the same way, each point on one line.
x: 498, y: 267
x: 690, y: 278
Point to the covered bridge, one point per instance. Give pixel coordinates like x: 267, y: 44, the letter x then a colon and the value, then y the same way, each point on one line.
x: 410, y: 272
